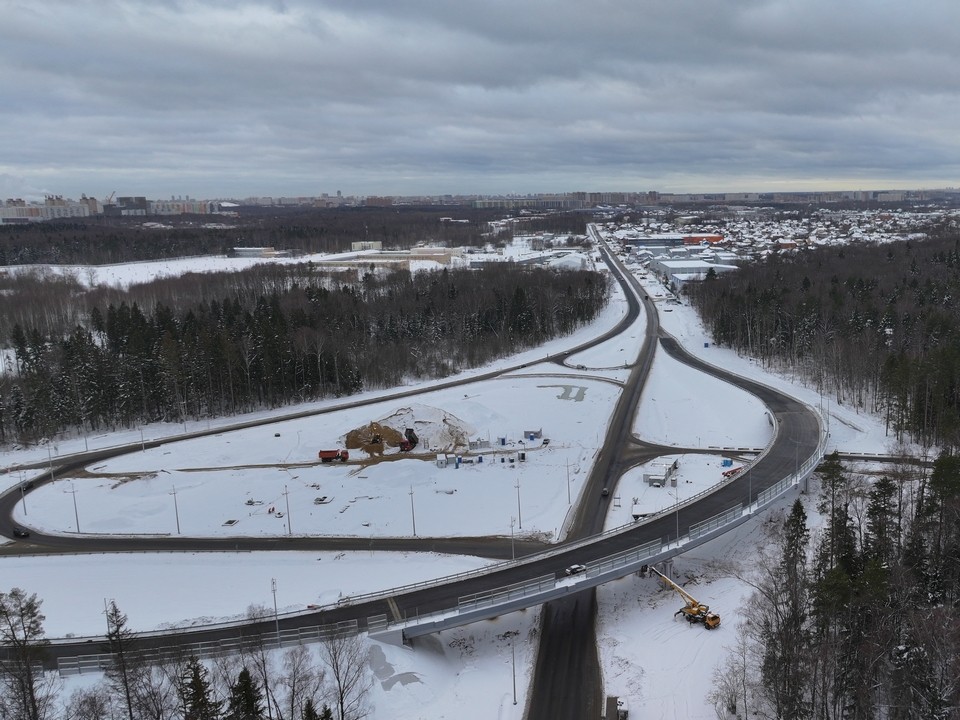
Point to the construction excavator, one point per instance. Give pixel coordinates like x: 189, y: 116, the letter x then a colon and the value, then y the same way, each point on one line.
x: 694, y: 611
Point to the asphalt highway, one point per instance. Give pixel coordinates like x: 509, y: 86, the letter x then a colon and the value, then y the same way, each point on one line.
x: 567, y: 682
x: 573, y: 691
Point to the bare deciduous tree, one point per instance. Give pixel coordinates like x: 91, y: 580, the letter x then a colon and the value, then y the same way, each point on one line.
x: 301, y: 681
x: 94, y: 703
x: 155, y: 695
x: 256, y: 656
x: 345, y: 656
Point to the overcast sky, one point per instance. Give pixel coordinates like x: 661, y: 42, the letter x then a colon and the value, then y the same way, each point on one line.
x: 230, y: 98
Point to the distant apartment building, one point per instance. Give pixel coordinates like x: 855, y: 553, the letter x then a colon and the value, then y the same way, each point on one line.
x: 180, y: 207
x: 328, y: 201
x: 135, y: 206
x: 53, y: 207
x: 531, y: 202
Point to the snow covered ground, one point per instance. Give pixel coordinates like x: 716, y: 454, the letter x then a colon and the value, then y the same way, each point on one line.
x: 648, y: 656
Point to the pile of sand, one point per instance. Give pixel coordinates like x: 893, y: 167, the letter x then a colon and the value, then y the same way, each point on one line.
x: 438, y: 431
x: 373, y: 438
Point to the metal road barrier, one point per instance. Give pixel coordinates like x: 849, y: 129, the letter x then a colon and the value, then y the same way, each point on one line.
x: 205, y: 650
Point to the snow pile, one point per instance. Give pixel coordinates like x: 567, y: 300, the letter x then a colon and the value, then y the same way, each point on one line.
x: 437, y: 429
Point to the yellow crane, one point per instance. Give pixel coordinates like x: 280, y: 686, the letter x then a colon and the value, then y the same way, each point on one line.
x: 694, y: 611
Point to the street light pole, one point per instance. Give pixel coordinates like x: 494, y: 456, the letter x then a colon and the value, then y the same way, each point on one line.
x: 519, y: 515
x: 676, y: 496
x: 513, y: 550
x: 568, y: 482
x: 796, y: 457
x: 413, y: 514
x: 276, y: 617
x: 513, y: 658
x: 286, y: 496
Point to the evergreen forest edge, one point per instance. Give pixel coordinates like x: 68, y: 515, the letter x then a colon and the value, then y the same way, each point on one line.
x: 874, y: 327
x: 286, y: 334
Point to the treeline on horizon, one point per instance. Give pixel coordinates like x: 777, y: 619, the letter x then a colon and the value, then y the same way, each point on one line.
x: 876, y: 327
x: 103, y: 241
x: 277, y: 335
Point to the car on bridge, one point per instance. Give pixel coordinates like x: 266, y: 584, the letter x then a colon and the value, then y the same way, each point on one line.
x: 575, y: 569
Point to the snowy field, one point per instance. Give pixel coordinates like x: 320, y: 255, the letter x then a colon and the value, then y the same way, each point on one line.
x: 467, y: 673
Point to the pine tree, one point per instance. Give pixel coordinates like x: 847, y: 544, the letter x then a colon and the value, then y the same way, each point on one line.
x: 882, y: 542
x: 783, y: 626
x: 197, y: 695
x: 310, y: 711
x: 246, y: 699
x: 124, y: 669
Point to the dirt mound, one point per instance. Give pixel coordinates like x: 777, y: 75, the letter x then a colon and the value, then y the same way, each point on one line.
x: 373, y: 438
x: 436, y: 429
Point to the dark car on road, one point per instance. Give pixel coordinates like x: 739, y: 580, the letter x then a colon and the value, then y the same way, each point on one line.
x: 20, y: 532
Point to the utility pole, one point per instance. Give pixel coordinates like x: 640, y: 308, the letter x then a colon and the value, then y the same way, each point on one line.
x: 513, y: 550
x: 286, y: 496
x: 23, y: 495
x: 568, y: 482
x: 76, y: 515
x: 176, y: 509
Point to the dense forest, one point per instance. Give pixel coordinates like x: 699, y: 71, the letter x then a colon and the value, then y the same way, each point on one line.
x: 101, y: 241
x: 861, y: 620
x: 281, y: 334
x: 876, y: 327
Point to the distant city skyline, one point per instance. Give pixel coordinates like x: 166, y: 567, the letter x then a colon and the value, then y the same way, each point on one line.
x: 291, y: 98
x: 177, y: 203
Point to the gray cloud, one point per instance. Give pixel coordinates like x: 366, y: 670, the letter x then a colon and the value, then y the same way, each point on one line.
x: 300, y: 97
